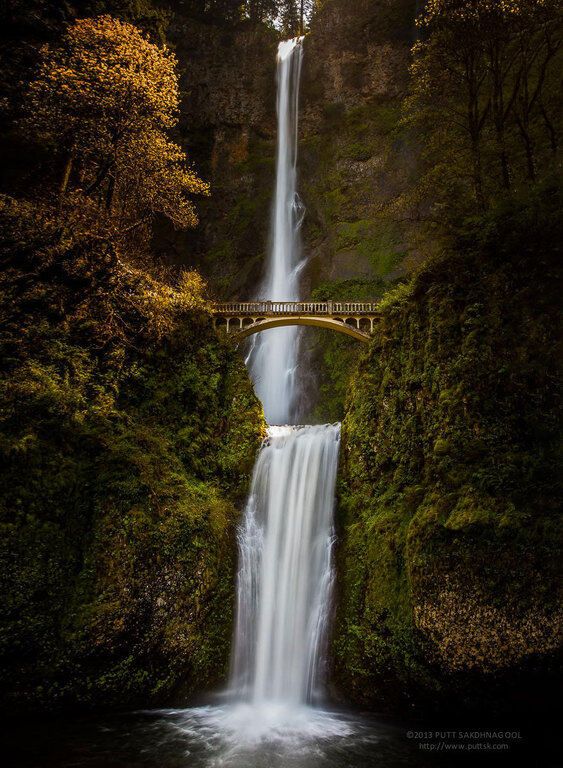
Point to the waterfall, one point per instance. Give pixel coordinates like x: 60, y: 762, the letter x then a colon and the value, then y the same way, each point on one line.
x: 273, y: 357
x: 285, y: 572
x: 271, y: 712
x: 285, y: 539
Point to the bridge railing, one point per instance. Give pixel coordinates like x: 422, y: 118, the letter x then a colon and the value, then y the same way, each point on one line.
x: 255, y: 308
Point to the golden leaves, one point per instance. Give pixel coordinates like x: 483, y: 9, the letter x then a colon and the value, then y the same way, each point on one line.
x: 106, y: 69
x: 110, y: 95
x: 162, y: 179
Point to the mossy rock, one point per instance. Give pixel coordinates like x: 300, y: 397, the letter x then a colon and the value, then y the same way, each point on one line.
x: 448, y: 491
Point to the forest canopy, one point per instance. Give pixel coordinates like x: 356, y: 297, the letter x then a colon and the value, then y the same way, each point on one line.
x: 291, y: 17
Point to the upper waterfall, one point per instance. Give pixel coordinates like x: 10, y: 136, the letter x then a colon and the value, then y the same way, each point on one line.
x: 273, y: 356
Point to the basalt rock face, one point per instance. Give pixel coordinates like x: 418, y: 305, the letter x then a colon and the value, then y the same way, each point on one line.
x: 449, y: 493
x: 354, y: 156
x: 355, y: 160
x: 228, y: 125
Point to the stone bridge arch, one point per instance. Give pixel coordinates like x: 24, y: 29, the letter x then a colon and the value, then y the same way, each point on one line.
x: 243, y: 319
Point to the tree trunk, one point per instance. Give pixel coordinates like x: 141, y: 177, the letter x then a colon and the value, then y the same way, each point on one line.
x: 504, y: 167
x: 478, y: 175
x: 475, y: 120
x: 66, y: 175
x: 550, y: 129
x: 110, y: 193
x: 527, y: 141
x: 497, y: 102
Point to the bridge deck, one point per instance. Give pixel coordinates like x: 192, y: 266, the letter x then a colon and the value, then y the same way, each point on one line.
x: 276, y: 308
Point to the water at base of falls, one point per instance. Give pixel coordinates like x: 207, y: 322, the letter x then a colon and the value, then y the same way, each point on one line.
x: 220, y: 736
x: 211, y: 737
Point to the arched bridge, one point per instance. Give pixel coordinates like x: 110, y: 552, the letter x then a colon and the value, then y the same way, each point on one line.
x: 245, y: 318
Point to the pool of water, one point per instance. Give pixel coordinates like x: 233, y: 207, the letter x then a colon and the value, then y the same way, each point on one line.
x: 238, y: 736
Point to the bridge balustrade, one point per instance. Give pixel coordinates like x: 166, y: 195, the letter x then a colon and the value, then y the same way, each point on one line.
x: 243, y: 318
x: 254, y: 308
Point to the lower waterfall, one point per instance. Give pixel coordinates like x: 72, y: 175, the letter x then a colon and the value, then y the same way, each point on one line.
x: 285, y: 570
x: 270, y: 713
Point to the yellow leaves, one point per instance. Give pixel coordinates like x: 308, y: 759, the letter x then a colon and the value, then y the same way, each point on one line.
x: 161, y: 304
x: 191, y: 290
x: 157, y: 173
x: 106, y: 69
x: 111, y: 94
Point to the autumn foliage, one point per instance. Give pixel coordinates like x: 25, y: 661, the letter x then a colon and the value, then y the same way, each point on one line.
x: 107, y: 97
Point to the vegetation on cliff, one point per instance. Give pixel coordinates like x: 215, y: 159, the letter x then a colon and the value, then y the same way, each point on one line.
x: 127, y: 428
x: 450, y: 496
x: 128, y: 432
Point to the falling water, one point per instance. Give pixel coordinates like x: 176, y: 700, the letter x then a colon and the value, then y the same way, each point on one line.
x: 286, y: 536
x: 285, y: 572
x: 273, y: 357
x: 285, y: 540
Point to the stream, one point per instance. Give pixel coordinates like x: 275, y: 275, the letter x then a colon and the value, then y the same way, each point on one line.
x: 209, y: 736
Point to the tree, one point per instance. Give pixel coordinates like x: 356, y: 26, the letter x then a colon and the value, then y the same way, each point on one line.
x: 480, y: 76
x: 290, y: 16
x: 260, y: 10
x: 107, y: 97
x: 232, y: 11
x: 294, y: 16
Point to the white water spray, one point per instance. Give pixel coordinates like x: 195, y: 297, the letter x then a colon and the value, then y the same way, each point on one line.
x: 273, y: 357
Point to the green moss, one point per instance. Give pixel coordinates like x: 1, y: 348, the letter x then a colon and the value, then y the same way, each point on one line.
x: 377, y: 241
x: 123, y: 461
x: 336, y: 356
x: 448, y: 487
